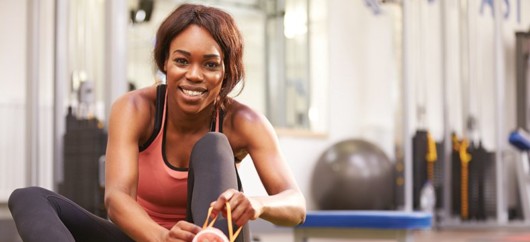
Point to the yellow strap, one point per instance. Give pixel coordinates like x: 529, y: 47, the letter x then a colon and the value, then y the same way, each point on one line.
x: 431, y: 156
x: 456, y: 144
x: 232, y: 235
x: 206, y: 225
x: 465, y: 158
x: 230, y: 229
x: 431, y: 149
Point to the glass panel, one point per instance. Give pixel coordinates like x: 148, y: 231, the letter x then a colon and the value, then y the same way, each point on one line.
x: 86, y: 57
x: 297, y: 78
x: 296, y: 64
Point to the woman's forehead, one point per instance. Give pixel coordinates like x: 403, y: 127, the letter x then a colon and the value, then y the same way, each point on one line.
x: 195, y: 39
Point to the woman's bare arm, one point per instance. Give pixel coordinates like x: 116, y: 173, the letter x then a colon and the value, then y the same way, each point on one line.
x: 285, y: 204
x: 129, y: 116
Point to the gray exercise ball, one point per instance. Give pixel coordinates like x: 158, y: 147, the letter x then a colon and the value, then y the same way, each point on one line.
x: 353, y: 175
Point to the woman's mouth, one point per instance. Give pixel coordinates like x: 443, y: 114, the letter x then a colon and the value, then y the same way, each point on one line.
x: 192, y: 93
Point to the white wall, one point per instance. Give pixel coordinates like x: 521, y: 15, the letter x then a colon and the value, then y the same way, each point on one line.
x: 45, y: 78
x: 12, y: 95
x: 16, y: 150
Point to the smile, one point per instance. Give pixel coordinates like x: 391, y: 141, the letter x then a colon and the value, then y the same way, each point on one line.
x: 192, y: 93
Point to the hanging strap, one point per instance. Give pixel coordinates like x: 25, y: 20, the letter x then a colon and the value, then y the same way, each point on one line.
x: 232, y: 235
x: 431, y: 156
x: 465, y: 158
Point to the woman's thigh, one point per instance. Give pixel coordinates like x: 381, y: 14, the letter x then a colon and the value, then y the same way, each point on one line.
x: 43, y: 215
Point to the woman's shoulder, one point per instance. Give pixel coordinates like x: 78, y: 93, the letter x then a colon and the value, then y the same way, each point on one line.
x: 238, y: 111
x: 132, y: 114
x: 243, y: 117
x: 247, y: 130
x: 136, y: 104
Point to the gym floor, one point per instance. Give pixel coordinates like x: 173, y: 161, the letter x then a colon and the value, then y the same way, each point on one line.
x: 8, y: 233
x: 426, y: 236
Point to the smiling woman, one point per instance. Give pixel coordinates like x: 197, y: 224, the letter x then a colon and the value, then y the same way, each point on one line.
x: 173, y: 149
x: 196, y: 58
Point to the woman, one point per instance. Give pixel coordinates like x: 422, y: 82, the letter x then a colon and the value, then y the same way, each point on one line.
x: 173, y: 149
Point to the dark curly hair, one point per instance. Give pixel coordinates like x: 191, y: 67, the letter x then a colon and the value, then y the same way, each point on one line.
x: 223, y: 29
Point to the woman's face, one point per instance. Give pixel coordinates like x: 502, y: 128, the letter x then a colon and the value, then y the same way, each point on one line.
x: 194, y: 69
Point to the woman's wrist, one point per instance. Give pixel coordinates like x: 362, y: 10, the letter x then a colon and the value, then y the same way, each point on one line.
x: 162, y: 235
x: 258, y: 207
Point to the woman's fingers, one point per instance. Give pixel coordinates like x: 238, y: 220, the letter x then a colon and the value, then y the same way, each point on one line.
x: 183, y: 231
x: 242, y: 207
x: 220, y: 203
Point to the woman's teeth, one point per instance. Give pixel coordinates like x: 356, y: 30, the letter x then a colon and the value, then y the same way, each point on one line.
x: 191, y: 92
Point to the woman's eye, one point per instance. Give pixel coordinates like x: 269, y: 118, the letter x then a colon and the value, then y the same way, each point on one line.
x: 181, y: 61
x: 212, y: 65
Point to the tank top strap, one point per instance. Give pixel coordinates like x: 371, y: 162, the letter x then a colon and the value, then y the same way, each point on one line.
x: 160, y: 113
x: 217, y: 121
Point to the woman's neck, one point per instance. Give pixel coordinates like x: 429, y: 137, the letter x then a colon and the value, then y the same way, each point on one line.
x: 186, y: 123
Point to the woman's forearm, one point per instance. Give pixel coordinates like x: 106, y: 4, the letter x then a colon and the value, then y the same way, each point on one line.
x: 131, y: 218
x: 286, y: 208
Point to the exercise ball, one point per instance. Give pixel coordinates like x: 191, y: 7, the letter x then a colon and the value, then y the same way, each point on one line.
x: 353, y: 175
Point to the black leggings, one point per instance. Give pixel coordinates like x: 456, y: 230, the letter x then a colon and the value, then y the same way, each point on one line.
x: 42, y: 215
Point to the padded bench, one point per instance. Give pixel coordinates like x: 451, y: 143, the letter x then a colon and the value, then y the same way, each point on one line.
x: 353, y: 224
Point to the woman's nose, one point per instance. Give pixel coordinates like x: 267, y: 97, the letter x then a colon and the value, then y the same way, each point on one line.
x: 194, y: 73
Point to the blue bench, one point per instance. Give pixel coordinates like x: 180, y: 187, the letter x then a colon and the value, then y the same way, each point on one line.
x: 352, y: 224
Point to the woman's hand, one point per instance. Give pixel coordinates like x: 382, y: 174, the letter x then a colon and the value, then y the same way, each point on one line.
x: 182, y: 231
x: 243, y: 208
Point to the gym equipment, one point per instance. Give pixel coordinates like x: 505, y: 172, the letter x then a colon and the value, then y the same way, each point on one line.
x: 521, y: 140
x: 427, y: 161
x: 522, y: 59
x: 482, y: 192
x: 473, y: 180
x: 85, y: 142
x: 353, y: 174
x: 396, y: 225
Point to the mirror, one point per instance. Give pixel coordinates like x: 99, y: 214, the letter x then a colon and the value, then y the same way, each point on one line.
x: 297, y: 64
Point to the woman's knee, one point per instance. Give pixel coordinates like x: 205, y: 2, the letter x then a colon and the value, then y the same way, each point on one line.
x: 212, y: 146
x: 212, y: 139
x: 24, y: 194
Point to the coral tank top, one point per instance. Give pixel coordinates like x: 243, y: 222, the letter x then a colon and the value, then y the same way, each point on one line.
x: 163, y: 189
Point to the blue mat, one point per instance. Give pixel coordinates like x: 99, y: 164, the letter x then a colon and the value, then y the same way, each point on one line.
x: 367, y: 219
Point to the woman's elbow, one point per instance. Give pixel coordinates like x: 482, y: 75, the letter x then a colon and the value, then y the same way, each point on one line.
x: 110, y: 199
x: 302, y: 216
x: 299, y: 211
x: 297, y: 217
x: 302, y: 208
